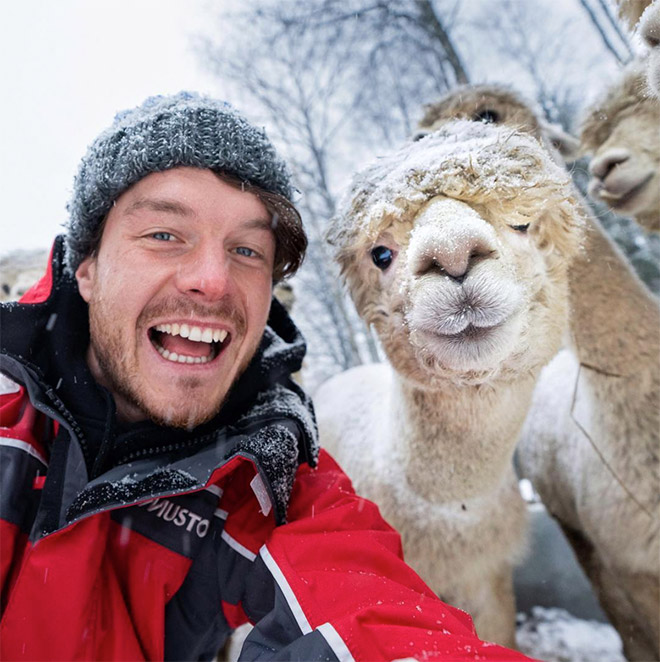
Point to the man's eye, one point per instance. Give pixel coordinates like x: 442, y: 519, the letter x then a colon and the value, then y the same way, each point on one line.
x: 163, y: 236
x: 247, y: 252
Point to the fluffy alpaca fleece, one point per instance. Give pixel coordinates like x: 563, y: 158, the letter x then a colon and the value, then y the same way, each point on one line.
x: 469, y: 310
x: 621, y: 132
x: 630, y: 11
x: 594, y: 461
x: 643, y: 16
x: 649, y: 31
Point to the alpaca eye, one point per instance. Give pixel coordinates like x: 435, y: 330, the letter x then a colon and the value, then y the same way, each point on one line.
x: 487, y: 115
x: 520, y: 228
x: 382, y: 257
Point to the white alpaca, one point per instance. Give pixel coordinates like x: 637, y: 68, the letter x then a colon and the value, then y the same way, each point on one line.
x: 591, y: 446
x: 456, y: 250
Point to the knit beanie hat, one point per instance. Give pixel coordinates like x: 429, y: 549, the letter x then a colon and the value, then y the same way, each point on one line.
x: 185, y: 129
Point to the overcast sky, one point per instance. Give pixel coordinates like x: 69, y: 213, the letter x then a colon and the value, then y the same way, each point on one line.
x: 67, y: 67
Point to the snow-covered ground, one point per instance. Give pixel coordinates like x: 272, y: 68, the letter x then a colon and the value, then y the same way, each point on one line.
x: 559, y: 617
x: 554, y: 635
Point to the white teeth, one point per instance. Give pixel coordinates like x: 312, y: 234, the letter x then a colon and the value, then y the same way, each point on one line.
x: 194, y: 333
x: 176, y: 358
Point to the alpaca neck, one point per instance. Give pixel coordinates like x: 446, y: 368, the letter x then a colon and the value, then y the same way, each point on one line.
x: 457, y: 443
x: 649, y: 220
x: 612, y: 312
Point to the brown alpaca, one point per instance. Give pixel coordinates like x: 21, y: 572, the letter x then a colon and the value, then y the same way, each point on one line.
x: 630, y: 11
x: 596, y: 467
x: 498, y: 105
x: 621, y: 132
x: 456, y: 250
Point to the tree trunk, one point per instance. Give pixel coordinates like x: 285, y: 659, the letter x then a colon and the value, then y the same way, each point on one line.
x: 431, y: 23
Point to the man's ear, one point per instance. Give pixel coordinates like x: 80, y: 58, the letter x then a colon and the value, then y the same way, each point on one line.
x: 86, y: 277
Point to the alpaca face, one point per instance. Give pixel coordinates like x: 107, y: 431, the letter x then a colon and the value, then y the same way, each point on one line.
x: 456, y: 250
x: 471, y: 294
x: 625, y: 168
x: 499, y: 105
x: 481, y: 103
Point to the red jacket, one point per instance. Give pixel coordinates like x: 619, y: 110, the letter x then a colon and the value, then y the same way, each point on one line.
x: 162, y: 554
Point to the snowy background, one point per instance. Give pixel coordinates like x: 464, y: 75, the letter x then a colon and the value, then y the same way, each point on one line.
x: 335, y: 84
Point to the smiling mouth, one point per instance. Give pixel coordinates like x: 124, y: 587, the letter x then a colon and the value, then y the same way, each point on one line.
x: 189, y: 344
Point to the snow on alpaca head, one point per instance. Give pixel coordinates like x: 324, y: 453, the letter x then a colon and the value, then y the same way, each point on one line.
x: 480, y: 226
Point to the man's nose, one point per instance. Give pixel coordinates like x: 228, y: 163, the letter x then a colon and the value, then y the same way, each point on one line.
x: 205, y: 273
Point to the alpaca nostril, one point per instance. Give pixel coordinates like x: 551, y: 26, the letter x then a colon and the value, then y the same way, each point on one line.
x: 459, y: 278
x: 600, y: 167
x: 454, y: 265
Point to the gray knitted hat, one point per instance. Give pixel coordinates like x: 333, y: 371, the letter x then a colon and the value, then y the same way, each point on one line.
x: 185, y: 129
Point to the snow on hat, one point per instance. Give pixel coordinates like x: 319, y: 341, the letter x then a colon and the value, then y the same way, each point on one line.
x: 185, y: 129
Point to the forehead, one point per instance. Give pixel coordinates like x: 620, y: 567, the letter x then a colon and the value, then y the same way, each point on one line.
x: 192, y: 193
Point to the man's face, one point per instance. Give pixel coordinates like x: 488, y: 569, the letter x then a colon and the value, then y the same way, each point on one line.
x: 179, y: 293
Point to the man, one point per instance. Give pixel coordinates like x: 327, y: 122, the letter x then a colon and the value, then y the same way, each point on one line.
x: 161, y: 482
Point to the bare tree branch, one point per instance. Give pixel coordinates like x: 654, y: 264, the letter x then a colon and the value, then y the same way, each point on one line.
x: 599, y: 28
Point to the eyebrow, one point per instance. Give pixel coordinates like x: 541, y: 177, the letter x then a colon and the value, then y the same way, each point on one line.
x: 160, y: 205
x: 259, y: 224
x: 181, y: 209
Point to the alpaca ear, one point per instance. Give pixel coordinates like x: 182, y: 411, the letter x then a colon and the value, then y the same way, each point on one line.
x: 567, y: 145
